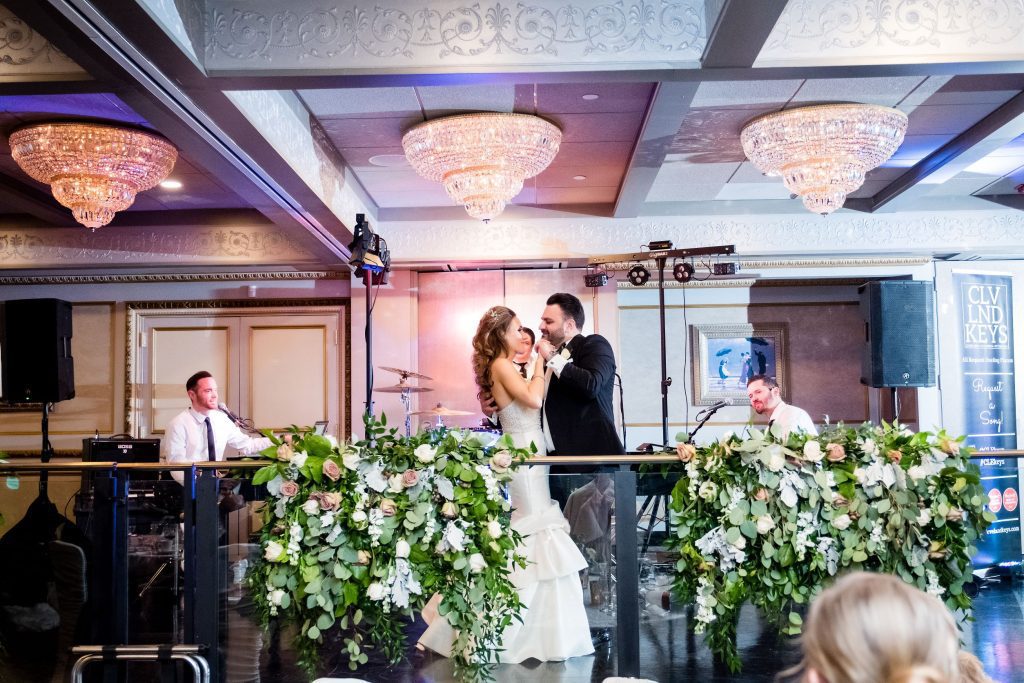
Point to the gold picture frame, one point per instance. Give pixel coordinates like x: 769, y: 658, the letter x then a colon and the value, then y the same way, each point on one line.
x: 724, y: 356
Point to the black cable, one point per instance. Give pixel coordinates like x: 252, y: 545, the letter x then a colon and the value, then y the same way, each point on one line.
x: 622, y: 407
x: 686, y: 396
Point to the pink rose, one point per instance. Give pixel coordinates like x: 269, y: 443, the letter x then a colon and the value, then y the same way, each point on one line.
x: 289, y: 489
x: 686, y: 451
x: 388, y: 507
x: 330, y: 500
x: 410, y: 478
x: 761, y: 494
x: 331, y: 470
x: 839, y: 500
x: 835, y: 452
x: 894, y: 456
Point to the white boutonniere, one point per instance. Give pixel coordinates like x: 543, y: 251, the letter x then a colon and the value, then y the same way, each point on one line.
x: 566, y: 353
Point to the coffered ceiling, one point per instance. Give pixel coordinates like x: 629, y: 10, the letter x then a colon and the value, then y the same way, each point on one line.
x: 289, y: 116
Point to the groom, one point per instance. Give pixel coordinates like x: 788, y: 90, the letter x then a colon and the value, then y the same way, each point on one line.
x: 577, y: 414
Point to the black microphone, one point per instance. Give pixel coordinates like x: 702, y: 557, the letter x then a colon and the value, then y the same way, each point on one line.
x: 224, y: 409
x: 715, y: 406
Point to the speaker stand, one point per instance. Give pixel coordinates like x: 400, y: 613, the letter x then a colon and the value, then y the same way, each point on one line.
x: 47, y: 450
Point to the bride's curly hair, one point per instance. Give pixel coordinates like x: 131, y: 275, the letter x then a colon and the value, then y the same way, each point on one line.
x: 489, y: 343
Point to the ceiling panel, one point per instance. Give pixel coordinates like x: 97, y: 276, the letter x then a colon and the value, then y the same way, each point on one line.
x: 946, y: 119
x: 354, y: 133
x: 587, y: 153
x: 362, y: 103
x: 744, y: 94
x: 884, y: 91
x: 612, y: 127
x: 596, y: 176
x: 575, y: 195
x: 460, y: 99
x: 567, y: 98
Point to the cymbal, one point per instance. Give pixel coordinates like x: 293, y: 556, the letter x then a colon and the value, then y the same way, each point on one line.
x: 399, y: 388
x: 404, y: 373
x: 441, y: 410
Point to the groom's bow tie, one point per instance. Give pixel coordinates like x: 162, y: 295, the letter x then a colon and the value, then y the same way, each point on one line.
x: 561, y: 347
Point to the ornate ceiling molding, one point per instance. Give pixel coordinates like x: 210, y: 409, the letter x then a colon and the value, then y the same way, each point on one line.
x: 312, y: 34
x: 26, y: 55
x: 136, y: 278
x: 138, y: 247
x: 880, y: 31
x: 845, y: 234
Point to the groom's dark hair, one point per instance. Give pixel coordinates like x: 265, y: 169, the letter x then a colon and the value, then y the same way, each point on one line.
x: 570, y: 306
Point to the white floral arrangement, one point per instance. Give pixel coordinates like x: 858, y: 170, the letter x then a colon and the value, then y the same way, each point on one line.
x: 357, y: 538
x: 774, y: 521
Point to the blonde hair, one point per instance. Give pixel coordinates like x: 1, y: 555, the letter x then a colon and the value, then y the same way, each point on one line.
x: 874, y: 628
x: 489, y: 343
x: 971, y: 670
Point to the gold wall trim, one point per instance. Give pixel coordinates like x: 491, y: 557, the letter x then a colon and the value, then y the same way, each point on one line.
x: 134, y: 310
x: 133, y: 278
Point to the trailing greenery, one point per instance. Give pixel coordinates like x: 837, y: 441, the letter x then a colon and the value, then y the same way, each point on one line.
x: 359, y: 537
x: 773, y: 521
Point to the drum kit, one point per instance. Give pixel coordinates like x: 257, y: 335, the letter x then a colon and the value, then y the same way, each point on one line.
x: 406, y: 390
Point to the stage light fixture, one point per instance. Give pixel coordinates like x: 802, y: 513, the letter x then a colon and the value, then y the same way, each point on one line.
x: 683, y: 272
x: 369, y: 252
x: 728, y: 268
x: 595, y: 278
x: 639, y: 275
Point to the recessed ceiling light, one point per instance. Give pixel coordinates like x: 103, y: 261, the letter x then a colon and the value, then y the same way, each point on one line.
x: 579, y: 177
x: 389, y: 160
x: 171, y: 184
x: 591, y: 96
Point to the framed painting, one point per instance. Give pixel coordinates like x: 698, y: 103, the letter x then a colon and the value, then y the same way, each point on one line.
x: 724, y: 357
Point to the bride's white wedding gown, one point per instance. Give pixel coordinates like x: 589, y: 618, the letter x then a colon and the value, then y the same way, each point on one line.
x: 555, y: 625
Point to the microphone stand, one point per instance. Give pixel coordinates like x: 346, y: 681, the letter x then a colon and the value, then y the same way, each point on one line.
x: 701, y: 420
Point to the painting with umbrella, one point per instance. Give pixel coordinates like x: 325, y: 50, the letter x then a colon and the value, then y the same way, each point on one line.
x: 726, y: 356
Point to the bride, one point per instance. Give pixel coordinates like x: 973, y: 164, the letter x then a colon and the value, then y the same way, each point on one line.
x: 554, y: 626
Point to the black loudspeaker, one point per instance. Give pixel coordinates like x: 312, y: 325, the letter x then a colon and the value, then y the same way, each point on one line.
x: 899, y: 343
x: 37, y: 362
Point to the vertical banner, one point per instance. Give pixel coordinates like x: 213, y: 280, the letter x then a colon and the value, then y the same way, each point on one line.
x: 987, y: 371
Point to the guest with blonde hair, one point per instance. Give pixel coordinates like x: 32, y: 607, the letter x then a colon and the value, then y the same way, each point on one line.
x: 971, y: 670
x: 874, y: 628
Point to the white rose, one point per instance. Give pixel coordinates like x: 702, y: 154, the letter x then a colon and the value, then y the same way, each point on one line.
x: 924, y: 517
x: 276, y: 596
x: 285, y: 452
x: 375, y: 591
x: 273, y: 551
x: 812, y: 451
x: 402, y: 548
x: 331, y: 440
x: 765, y: 523
x: 917, y: 472
x: 494, y: 529
x: 841, y: 522
x: 870, y: 447
x: 477, y: 563
x: 311, y: 507
x: 395, y: 483
x: 776, y: 460
x: 708, y: 490
x: 425, y: 453
x: 359, y: 516
x: 351, y: 460
x: 299, y: 459
x: 740, y: 543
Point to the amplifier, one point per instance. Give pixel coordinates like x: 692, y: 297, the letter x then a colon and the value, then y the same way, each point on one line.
x: 121, y: 450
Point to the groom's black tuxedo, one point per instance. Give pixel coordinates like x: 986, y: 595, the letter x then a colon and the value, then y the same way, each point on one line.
x: 578, y: 403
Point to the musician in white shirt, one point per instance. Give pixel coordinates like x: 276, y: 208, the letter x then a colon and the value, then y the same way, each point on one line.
x: 765, y: 399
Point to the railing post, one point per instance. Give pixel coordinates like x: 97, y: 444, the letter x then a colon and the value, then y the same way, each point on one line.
x: 627, y: 596
x: 209, y: 573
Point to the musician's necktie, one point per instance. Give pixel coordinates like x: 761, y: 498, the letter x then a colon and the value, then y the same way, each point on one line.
x: 211, y: 450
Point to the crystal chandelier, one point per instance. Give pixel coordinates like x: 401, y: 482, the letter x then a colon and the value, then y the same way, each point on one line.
x: 93, y: 169
x: 823, y: 151
x: 482, y: 159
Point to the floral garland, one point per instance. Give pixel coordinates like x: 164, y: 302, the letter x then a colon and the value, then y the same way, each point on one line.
x: 773, y: 521
x: 357, y: 538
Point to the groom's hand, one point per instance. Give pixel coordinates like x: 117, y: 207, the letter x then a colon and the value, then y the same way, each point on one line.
x: 487, y: 404
x: 545, y: 349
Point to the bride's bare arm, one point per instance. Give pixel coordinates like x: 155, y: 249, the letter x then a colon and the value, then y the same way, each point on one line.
x: 506, y: 377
